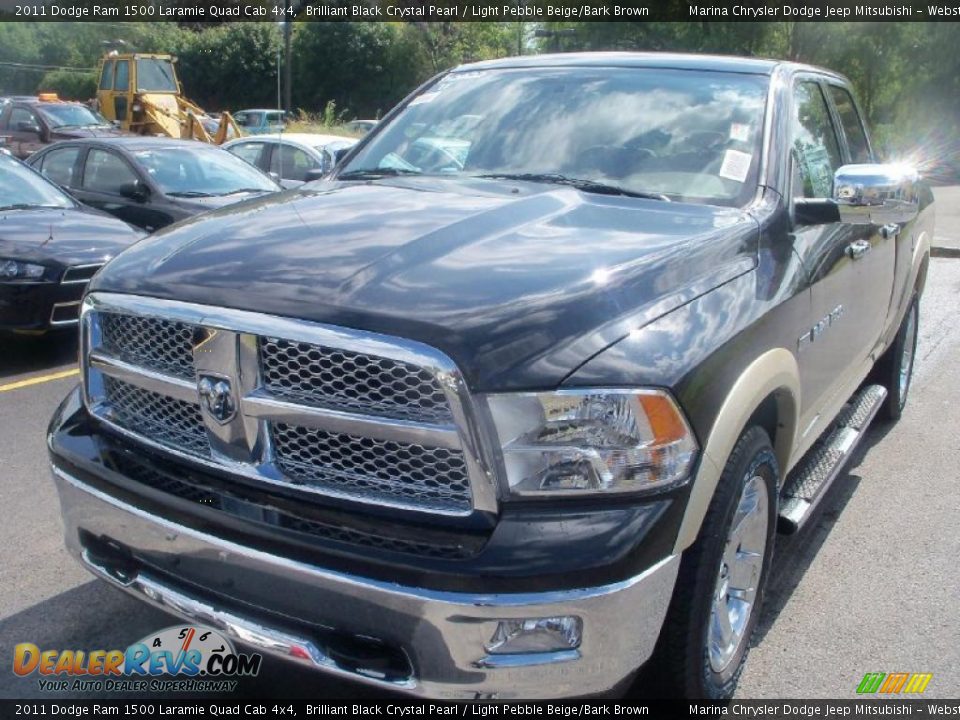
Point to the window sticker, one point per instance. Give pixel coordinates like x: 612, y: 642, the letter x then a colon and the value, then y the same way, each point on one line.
x: 740, y: 132
x: 736, y: 165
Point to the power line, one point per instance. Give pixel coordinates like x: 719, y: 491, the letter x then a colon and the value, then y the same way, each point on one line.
x: 44, y: 68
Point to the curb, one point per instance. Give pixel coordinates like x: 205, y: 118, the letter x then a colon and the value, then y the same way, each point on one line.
x: 945, y: 252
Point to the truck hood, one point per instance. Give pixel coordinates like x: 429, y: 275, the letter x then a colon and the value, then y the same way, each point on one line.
x: 60, y: 237
x: 519, y: 283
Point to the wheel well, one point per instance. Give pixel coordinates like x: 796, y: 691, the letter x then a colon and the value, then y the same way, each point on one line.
x: 765, y: 416
x: 776, y: 416
x: 922, y: 275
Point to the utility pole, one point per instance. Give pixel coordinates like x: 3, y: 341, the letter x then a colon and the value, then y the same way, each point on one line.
x: 287, y: 70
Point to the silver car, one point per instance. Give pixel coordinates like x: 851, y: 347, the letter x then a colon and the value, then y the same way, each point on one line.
x: 292, y: 158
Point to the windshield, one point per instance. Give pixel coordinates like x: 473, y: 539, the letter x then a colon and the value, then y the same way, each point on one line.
x: 58, y: 116
x: 155, y: 75
x: 21, y: 187
x: 201, y: 171
x: 677, y: 134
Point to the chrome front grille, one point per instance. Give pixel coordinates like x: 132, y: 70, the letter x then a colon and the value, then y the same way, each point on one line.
x: 165, y: 420
x: 154, y: 343
x: 332, y: 377
x: 359, y: 416
x: 430, y: 477
x: 79, y: 274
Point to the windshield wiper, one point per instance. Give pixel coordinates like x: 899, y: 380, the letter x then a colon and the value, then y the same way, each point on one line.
x: 242, y: 190
x: 189, y: 193
x: 375, y: 173
x: 589, y: 186
x: 30, y: 206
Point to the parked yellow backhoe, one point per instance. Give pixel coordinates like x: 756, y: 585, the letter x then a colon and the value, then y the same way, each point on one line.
x: 142, y: 93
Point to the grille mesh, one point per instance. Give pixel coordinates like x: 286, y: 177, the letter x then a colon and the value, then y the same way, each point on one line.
x: 303, y: 372
x: 162, y: 345
x: 378, y: 469
x: 162, y: 419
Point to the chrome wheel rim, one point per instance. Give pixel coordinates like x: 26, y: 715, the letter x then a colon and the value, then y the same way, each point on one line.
x: 738, y: 578
x: 906, y: 357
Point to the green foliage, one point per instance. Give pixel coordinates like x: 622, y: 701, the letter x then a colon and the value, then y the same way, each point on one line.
x: 907, y: 74
x: 69, y: 85
x: 229, y: 67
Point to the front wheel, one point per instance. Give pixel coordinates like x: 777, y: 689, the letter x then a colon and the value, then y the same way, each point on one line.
x: 719, y: 589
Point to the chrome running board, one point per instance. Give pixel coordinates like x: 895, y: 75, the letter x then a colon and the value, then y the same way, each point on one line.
x: 817, y: 470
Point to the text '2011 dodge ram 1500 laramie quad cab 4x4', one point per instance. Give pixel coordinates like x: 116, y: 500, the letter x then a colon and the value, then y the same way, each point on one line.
x: 518, y: 398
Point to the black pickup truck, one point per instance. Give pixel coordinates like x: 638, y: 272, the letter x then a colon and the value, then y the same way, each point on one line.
x: 519, y: 397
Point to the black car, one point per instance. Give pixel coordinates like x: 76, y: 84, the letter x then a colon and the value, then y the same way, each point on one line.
x: 50, y: 246
x: 509, y: 418
x: 151, y: 182
x: 31, y: 123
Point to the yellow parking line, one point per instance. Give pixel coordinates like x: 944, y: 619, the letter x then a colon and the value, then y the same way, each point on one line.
x: 37, y: 380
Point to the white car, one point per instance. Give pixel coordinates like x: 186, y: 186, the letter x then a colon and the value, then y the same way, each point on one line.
x: 362, y: 126
x: 292, y: 158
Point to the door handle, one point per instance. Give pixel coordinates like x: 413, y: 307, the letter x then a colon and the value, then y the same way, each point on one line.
x: 858, y: 248
x: 890, y: 231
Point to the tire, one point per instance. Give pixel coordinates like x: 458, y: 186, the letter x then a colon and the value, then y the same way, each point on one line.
x: 895, y: 368
x: 699, y: 664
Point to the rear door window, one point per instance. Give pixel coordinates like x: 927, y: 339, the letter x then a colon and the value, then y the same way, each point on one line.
x: 249, y: 151
x: 852, y: 125
x: 58, y: 165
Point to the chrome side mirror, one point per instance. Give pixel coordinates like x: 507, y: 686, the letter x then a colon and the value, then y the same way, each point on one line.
x: 876, y: 194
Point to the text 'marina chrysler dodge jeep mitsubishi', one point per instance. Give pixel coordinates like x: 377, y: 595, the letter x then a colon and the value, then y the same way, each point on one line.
x: 519, y: 397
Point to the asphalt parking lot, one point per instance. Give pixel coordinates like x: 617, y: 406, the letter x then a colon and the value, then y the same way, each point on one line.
x: 870, y: 586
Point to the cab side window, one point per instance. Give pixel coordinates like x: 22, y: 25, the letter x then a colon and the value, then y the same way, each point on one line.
x: 105, y: 172
x: 852, y: 127
x: 815, y: 148
x: 106, y: 79
x: 122, y: 81
x: 21, y: 115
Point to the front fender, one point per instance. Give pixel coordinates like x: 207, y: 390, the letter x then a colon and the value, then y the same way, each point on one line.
x: 724, y: 356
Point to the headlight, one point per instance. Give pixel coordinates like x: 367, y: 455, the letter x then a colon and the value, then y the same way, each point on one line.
x: 592, y: 441
x: 16, y: 270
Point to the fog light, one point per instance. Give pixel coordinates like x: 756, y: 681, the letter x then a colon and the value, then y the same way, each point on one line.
x: 536, y: 635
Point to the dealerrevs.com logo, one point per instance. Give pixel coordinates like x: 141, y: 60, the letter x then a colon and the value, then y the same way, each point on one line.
x: 198, y: 659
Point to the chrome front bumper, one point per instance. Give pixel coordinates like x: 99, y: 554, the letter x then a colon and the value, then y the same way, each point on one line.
x: 441, y: 633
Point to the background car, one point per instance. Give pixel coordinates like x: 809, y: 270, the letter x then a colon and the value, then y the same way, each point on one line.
x: 33, y: 122
x: 151, y: 182
x: 361, y: 126
x: 259, y: 122
x: 50, y: 246
x: 294, y: 158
